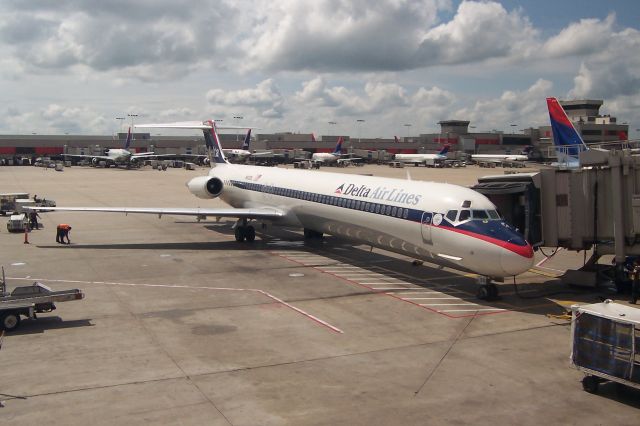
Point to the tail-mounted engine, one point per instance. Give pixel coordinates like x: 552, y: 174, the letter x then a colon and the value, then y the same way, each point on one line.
x: 205, y: 187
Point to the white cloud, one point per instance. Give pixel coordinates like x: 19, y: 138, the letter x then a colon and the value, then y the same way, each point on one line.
x: 265, y: 98
x: 584, y: 37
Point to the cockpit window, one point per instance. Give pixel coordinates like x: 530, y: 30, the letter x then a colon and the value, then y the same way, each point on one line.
x: 494, y: 214
x: 451, y: 215
x: 480, y: 214
x: 464, y: 215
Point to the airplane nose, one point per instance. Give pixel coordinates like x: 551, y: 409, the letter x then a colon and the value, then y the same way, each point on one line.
x: 516, y: 259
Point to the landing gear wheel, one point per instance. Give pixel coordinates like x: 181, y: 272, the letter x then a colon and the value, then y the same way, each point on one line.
x: 483, y: 292
x: 590, y: 384
x: 10, y: 321
x: 487, y: 292
x: 240, y: 233
x: 250, y: 234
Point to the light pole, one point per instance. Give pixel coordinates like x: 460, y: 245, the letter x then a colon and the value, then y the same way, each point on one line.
x: 358, y: 122
x: 331, y: 123
x: 132, y: 117
x: 120, y: 125
x: 407, y: 126
x: 238, y: 117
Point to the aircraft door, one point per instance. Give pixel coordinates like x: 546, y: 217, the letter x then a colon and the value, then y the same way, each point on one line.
x: 425, y: 227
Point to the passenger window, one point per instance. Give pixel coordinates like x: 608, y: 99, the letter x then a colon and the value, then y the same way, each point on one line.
x: 388, y: 210
x: 394, y: 210
x: 451, y: 215
x: 464, y: 215
x: 480, y: 214
x: 377, y: 208
x: 405, y: 214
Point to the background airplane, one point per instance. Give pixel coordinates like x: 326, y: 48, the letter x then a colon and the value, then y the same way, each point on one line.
x: 334, y: 157
x: 423, y: 158
x: 117, y: 156
x: 445, y: 224
x: 503, y: 157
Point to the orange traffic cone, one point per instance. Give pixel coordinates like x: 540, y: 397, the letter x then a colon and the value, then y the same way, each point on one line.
x: 26, y: 235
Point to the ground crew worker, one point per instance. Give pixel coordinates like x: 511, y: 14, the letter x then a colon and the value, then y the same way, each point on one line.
x: 635, y: 281
x: 62, y: 231
x: 33, y: 219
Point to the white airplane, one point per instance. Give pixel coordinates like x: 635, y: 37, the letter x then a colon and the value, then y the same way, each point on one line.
x: 422, y: 158
x: 502, y: 157
x: 445, y: 224
x: 117, y: 155
x: 333, y: 157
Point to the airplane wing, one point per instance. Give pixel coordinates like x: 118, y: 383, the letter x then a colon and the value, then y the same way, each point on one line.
x: 99, y: 157
x: 262, y: 154
x: 250, y: 213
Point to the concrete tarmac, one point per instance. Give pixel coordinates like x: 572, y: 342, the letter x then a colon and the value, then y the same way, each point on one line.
x: 182, y: 325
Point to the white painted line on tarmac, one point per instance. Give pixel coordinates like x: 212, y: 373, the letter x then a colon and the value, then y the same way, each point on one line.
x: 472, y: 310
x: 253, y: 290
x: 431, y: 298
x: 448, y: 304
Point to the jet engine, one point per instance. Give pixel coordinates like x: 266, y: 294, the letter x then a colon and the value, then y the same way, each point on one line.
x: 94, y: 161
x: 205, y: 187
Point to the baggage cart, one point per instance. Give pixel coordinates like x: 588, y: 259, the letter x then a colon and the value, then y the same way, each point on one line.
x: 605, y: 344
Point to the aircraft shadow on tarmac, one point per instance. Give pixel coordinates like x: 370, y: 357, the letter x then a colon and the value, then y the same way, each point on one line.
x: 44, y: 323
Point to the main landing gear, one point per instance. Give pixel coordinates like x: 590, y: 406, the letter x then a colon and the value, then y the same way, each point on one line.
x: 244, y: 232
x: 487, y: 289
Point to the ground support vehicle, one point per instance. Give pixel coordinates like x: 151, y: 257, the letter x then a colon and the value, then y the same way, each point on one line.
x: 606, y: 344
x: 30, y: 300
x: 17, y: 222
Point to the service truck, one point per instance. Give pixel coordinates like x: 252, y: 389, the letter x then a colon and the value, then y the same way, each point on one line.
x: 30, y: 300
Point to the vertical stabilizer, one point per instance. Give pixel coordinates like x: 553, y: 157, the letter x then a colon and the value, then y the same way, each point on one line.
x: 566, y: 138
x: 127, y: 143
x: 395, y: 139
x: 212, y: 141
x: 247, y: 141
x: 444, y: 150
x: 338, y: 148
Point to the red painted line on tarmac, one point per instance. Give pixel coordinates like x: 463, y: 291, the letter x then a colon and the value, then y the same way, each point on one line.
x: 373, y: 290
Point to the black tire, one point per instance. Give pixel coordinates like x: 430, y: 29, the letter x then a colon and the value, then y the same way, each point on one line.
x: 240, y: 234
x: 250, y: 234
x: 493, y: 291
x: 308, y: 234
x: 590, y: 384
x: 483, y: 292
x: 10, y: 321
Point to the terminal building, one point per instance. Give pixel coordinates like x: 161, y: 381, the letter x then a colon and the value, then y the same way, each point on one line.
x: 595, y: 128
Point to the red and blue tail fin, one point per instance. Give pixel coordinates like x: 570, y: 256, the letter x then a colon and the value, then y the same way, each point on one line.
x: 247, y: 141
x: 338, y: 148
x: 444, y: 150
x: 566, y: 138
x: 127, y: 143
x: 395, y: 139
x: 212, y: 142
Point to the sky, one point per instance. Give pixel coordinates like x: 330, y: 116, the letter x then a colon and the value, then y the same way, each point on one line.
x: 321, y: 66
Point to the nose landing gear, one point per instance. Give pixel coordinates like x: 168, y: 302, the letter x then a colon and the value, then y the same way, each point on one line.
x: 487, y: 290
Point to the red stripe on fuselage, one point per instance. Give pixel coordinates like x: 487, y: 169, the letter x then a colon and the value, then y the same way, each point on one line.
x: 524, y: 251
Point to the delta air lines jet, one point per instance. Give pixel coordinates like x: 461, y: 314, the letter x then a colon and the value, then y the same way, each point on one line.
x: 445, y: 224
x: 332, y: 157
x: 117, y: 155
x: 422, y: 158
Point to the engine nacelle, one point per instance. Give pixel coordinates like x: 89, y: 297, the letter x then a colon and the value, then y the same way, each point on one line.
x: 205, y: 187
x: 94, y: 161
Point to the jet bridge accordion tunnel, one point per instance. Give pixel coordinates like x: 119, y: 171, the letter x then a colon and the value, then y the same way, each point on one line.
x: 596, y: 206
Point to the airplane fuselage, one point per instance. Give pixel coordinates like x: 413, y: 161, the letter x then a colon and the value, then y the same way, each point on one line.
x: 325, y: 157
x: 418, y: 158
x: 423, y: 220
x: 500, y: 157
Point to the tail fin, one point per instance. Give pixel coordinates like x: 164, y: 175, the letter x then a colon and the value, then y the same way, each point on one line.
x: 395, y: 139
x: 127, y: 143
x: 338, y: 148
x: 247, y: 140
x: 213, y: 144
x: 565, y: 137
x: 313, y: 137
x: 444, y: 150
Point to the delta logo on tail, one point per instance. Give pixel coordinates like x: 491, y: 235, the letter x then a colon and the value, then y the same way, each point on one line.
x: 247, y: 141
x: 338, y: 149
x: 566, y: 139
x: 127, y: 143
x: 444, y: 150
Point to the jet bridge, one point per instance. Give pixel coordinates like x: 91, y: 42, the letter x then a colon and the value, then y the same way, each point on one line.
x: 596, y: 206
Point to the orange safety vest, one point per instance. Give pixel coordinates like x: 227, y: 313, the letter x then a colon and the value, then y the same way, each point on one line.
x: 64, y: 226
